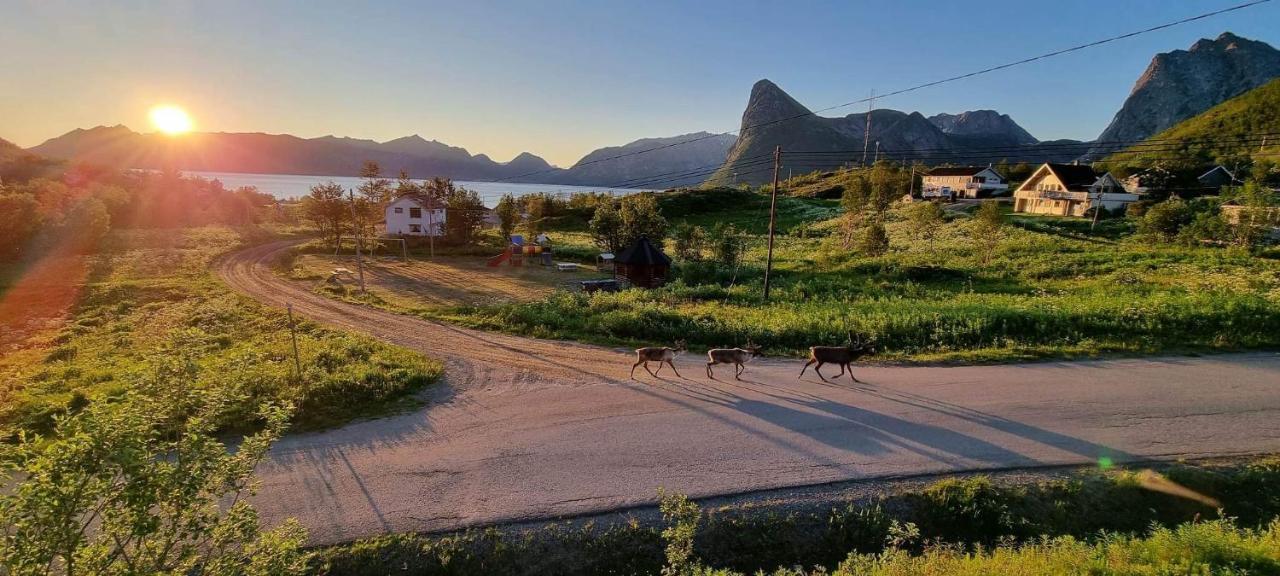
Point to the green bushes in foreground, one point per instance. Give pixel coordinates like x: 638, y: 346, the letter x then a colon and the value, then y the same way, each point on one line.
x: 935, y: 525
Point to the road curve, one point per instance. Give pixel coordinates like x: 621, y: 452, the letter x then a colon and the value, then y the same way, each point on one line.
x: 526, y: 429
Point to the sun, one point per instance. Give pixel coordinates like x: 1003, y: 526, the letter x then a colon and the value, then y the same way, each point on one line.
x: 171, y: 120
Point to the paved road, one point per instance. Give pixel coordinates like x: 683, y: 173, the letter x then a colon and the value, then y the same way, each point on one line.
x: 529, y: 429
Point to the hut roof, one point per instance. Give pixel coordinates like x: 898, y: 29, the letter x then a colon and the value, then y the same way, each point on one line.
x: 642, y: 252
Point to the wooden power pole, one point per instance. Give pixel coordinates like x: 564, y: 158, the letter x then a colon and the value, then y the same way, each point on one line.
x: 355, y: 225
x: 866, y: 138
x: 293, y: 334
x: 773, y: 213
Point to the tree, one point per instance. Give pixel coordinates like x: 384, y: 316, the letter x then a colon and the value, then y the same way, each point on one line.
x: 606, y: 227
x: 465, y: 213
x: 874, y: 240
x: 143, y: 485
x: 508, y: 215
x: 641, y: 218
x: 327, y: 211
x: 987, y: 229
x: 926, y: 220
x: 689, y: 240
x: 726, y: 246
x: 19, y: 222
x: 535, y: 208
x: 1256, y: 214
x: 1164, y: 220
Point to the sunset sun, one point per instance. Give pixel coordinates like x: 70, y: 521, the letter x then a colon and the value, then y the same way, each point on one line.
x: 171, y: 120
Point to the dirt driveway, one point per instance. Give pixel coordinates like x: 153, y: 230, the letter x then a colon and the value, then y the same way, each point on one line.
x: 527, y: 429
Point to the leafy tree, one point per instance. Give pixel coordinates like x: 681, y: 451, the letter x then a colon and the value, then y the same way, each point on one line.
x: 874, y: 240
x: 19, y: 221
x: 1257, y: 214
x: 86, y: 225
x: 727, y: 243
x: 682, y: 517
x: 143, y: 486
x: 327, y: 211
x: 465, y: 214
x: 926, y: 220
x: 689, y: 240
x: 536, y: 210
x: 641, y: 218
x: 1162, y: 221
x: 508, y: 215
x: 987, y: 229
x: 606, y: 227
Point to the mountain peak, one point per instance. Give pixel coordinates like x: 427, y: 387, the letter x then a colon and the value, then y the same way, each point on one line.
x: 1183, y: 83
x: 989, y: 124
x: 769, y: 103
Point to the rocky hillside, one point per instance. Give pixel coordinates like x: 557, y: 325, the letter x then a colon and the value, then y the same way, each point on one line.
x: 773, y: 118
x: 1230, y: 133
x: 1180, y: 84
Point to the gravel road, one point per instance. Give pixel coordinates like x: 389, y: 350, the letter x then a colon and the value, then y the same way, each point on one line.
x: 524, y: 429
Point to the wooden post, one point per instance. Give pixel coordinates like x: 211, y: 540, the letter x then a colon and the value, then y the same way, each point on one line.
x: 293, y: 334
x: 355, y: 225
x: 773, y: 212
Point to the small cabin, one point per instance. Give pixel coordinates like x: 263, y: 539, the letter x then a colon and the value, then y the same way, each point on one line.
x: 642, y: 264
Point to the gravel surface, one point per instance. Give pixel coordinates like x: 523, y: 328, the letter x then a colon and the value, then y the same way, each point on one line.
x: 523, y: 430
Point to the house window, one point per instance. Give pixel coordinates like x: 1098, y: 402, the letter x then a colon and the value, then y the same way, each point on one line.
x: 414, y: 228
x: 415, y: 212
x: 399, y: 210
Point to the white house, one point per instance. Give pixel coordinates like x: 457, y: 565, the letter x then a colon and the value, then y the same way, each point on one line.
x: 962, y: 182
x: 408, y: 216
x: 1069, y: 190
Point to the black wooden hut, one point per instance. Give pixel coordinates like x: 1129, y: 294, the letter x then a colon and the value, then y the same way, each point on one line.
x: 642, y: 264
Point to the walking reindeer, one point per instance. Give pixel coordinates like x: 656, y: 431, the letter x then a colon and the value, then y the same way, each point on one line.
x: 736, y: 356
x: 661, y: 355
x: 842, y: 355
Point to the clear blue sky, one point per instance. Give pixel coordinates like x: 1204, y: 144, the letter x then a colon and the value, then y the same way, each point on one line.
x: 560, y: 78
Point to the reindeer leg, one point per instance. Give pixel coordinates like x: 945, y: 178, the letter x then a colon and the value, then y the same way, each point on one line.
x: 855, y: 378
x: 738, y: 369
x: 633, y: 368
x: 842, y: 371
x: 646, y: 369
x: 659, y: 370
x: 806, y: 366
x: 818, y: 370
x: 673, y: 369
x: 709, y: 373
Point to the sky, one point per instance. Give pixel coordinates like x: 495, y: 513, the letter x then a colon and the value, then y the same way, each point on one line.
x: 561, y: 78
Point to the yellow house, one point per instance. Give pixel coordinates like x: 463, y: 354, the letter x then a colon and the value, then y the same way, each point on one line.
x: 1069, y: 190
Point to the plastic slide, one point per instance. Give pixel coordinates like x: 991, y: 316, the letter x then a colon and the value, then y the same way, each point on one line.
x: 499, y: 259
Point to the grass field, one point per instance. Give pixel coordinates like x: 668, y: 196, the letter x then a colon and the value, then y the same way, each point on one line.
x: 1050, y: 288
x: 95, y: 323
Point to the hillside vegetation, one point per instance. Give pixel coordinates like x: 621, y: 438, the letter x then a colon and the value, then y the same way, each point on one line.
x: 1231, y: 133
x: 1038, y: 287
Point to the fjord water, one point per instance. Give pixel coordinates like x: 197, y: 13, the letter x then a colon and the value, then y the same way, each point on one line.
x: 289, y: 186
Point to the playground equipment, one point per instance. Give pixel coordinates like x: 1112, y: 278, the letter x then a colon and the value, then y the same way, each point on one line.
x: 517, y: 250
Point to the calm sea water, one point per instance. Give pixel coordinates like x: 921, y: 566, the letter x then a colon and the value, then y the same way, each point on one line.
x: 287, y: 186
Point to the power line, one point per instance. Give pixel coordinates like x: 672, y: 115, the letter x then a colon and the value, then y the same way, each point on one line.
x: 988, y: 70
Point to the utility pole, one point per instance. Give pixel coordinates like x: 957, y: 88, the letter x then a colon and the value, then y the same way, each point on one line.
x: 866, y: 139
x: 293, y: 334
x: 911, y: 186
x: 355, y: 225
x: 1096, y: 210
x: 773, y: 212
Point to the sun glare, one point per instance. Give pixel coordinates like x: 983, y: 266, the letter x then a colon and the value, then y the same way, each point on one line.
x: 171, y: 120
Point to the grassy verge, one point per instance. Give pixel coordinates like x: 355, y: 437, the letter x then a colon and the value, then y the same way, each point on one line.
x: 149, y: 292
x: 934, y: 526
x: 1051, y: 288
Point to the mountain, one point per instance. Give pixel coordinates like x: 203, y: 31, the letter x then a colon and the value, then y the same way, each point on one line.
x: 341, y: 156
x: 773, y: 118
x: 674, y: 161
x: 277, y: 154
x: 984, y: 127
x: 1224, y: 134
x: 1180, y: 84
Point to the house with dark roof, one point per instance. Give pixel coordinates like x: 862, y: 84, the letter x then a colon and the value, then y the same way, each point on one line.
x: 962, y: 182
x: 1217, y: 177
x: 642, y: 264
x: 1070, y: 190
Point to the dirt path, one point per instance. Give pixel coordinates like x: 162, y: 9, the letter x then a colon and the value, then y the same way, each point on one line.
x: 527, y: 429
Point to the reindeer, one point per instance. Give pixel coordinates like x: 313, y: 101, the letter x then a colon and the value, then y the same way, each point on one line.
x: 736, y: 356
x: 659, y: 354
x: 842, y: 355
